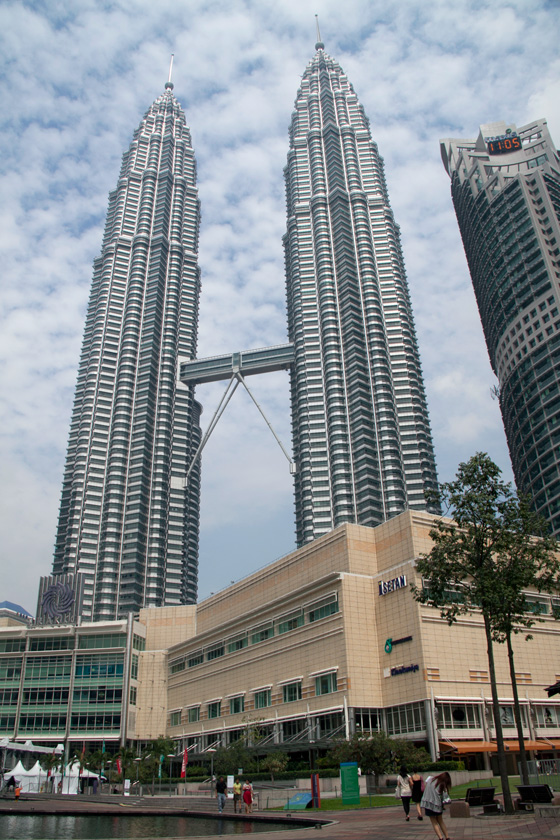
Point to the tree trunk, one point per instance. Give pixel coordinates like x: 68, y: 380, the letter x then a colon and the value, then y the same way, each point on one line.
x: 517, y: 713
x: 508, y: 804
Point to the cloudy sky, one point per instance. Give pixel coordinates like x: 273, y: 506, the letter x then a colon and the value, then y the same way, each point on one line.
x: 77, y: 76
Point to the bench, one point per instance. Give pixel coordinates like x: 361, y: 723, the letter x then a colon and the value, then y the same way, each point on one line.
x: 529, y: 795
x: 477, y: 797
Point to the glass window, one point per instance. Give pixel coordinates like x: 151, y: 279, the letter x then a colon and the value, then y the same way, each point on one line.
x: 262, y: 633
x: 290, y: 622
x: 195, y: 659
x: 322, y: 609
x: 236, y: 705
x: 237, y: 644
x: 325, y: 684
x: 548, y: 716
x: 263, y: 699
x: 460, y: 716
x: 291, y: 692
x: 215, y: 652
x: 175, y: 719
x: 11, y: 645
x: 194, y: 714
x: 47, y: 643
x: 102, y: 640
x: 215, y: 709
x: 407, y: 718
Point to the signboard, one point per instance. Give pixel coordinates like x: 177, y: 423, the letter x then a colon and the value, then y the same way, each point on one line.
x: 390, y: 643
x: 60, y: 599
x: 386, y: 586
x: 350, y: 783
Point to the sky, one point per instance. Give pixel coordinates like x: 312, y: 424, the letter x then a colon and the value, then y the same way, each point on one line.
x: 76, y: 79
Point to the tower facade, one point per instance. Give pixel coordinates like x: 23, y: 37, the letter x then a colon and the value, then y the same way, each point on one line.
x: 126, y: 522
x: 505, y: 187
x: 361, y: 433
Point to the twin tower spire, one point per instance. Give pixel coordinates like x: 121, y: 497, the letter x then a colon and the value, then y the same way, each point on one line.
x: 361, y: 437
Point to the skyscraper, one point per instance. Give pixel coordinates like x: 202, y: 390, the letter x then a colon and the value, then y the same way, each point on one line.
x: 126, y: 522
x: 505, y: 187
x: 361, y: 433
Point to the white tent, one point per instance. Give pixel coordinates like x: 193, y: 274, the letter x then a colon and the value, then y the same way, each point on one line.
x: 30, y: 781
x: 71, y: 779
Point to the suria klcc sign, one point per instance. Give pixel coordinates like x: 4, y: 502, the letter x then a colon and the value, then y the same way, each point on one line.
x: 386, y: 586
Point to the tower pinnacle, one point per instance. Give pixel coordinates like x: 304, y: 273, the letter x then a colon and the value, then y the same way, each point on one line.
x: 169, y: 83
x: 319, y: 45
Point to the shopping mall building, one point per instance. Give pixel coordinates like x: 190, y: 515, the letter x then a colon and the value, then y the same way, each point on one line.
x: 323, y: 643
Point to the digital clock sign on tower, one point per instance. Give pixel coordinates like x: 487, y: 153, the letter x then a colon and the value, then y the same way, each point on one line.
x: 508, y: 142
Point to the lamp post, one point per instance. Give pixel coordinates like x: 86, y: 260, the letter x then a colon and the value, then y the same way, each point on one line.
x: 170, y: 756
x: 211, y: 750
x: 137, y: 762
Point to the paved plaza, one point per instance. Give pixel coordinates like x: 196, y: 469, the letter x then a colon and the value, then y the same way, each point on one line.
x: 361, y: 824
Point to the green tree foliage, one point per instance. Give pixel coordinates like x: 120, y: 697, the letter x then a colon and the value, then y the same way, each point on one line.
x: 483, y: 560
x: 274, y: 763
x: 228, y: 760
x: 378, y: 753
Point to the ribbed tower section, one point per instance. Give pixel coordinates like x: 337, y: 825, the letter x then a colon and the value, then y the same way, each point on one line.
x: 361, y: 433
x: 126, y: 522
x: 505, y: 187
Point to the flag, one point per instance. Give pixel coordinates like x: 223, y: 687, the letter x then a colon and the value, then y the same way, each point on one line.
x: 119, y: 765
x: 184, y: 764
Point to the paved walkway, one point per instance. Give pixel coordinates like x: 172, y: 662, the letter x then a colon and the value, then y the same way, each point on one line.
x: 363, y: 824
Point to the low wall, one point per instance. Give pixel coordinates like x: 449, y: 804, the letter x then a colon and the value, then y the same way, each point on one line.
x: 276, y: 796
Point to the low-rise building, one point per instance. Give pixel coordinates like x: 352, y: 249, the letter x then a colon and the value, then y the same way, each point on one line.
x: 323, y: 643
x: 330, y: 641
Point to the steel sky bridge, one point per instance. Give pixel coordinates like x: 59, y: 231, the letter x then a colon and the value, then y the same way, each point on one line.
x: 235, y: 367
x: 245, y: 362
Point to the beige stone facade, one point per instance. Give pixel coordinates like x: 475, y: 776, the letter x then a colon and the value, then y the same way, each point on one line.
x: 299, y: 653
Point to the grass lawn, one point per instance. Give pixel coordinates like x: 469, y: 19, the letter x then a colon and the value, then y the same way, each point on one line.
x: 388, y: 800
x: 459, y: 791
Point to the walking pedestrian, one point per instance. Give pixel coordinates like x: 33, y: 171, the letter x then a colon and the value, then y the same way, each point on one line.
x: 404, y: 790
x: 248, y: 796
x: 221, y: 789
x: 236, y: 796
x: 417, y: 791
x: 432, y: 802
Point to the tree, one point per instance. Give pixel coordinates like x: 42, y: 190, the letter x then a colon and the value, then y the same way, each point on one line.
x: 482, y: 561
x: 275, y: 763
x: 228, y: 760
x: 523, y: 563
x: 373, y: 753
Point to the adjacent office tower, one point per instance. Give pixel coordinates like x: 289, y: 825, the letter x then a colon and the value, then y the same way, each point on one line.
x: 506, y: 192
x: 361, y: 433
x: 126, y: 522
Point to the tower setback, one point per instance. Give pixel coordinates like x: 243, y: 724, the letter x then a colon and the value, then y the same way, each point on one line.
x: 361, y: 433
x: 126, y: 522
x: 505, y: 187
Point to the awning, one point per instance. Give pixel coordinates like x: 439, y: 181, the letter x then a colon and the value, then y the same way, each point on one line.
x: 463, y: 747
x: 550, y: 743
x: 513, y: 746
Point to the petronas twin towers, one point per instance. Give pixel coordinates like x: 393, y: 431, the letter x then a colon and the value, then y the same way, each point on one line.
x: 361, y: 435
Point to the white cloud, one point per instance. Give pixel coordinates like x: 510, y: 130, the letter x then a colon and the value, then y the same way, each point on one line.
x: 77, y: 79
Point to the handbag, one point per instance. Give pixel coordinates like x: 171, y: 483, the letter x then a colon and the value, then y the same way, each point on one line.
x: 398, y: 792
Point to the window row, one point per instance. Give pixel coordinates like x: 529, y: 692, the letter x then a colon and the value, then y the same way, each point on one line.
x: 276, y: 627
x: 326, y: 683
